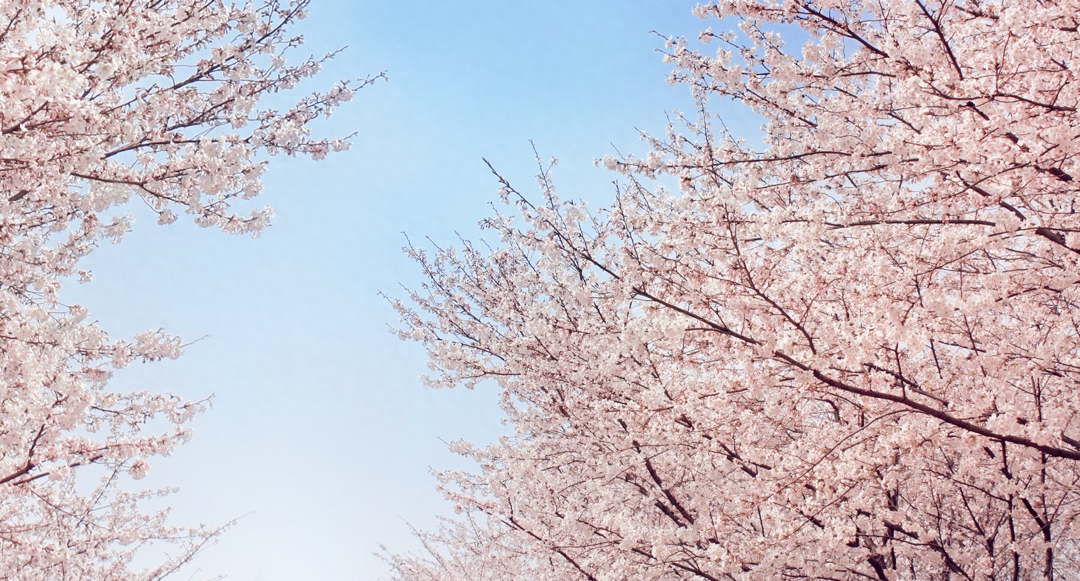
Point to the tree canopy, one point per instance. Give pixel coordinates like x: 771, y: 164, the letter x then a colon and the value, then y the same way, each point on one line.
x: 850, y: 354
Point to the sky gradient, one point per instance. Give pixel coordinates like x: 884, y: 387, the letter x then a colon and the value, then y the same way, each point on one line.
x: 321, y: 436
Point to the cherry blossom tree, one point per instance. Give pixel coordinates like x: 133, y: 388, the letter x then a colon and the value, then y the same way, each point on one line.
x: 102, y: 102
x: 851, y: 353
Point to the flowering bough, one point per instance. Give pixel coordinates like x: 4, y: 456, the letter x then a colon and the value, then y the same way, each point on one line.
x: 853, y: 354
x: 101, y: 102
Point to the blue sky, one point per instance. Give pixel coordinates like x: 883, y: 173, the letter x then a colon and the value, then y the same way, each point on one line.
x: 320, y: 431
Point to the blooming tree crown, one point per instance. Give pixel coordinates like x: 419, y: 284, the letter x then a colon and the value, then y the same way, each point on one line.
x: 851, y: 354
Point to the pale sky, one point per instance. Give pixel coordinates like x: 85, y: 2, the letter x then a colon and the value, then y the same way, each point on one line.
x: 320, y: 431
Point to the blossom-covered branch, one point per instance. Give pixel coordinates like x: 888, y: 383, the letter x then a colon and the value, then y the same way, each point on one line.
x: 102, y: 103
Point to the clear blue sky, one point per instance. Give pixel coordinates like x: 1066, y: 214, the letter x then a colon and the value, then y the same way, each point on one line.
x: 320, y: 431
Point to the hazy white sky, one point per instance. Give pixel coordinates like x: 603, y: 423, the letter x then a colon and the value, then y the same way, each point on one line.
x: 320, y: 431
